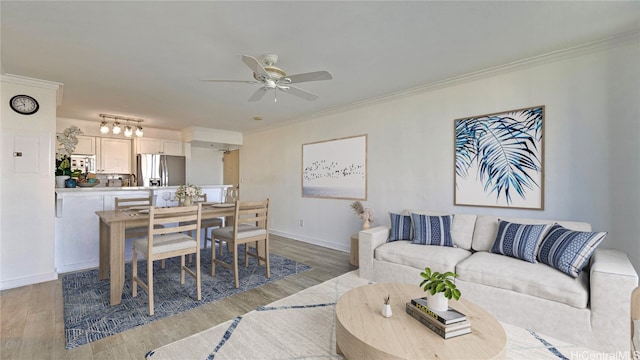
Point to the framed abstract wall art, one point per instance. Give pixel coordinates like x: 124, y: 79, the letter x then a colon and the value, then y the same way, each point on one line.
x: 499, y: 159
x: 335, y: 169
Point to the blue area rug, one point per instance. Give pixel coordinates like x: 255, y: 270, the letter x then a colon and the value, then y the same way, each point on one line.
x: 89, y: 317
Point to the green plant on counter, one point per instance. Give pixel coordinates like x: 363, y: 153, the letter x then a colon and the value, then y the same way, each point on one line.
x: 63, y: 166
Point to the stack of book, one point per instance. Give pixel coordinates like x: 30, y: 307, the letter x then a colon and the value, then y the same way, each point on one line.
x: 447, y: 324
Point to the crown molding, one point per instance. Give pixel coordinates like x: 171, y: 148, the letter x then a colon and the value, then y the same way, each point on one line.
x: 590, y: 47
x: 43, y: 84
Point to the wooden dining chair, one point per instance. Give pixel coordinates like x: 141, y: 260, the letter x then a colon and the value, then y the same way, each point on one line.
x: 250, y: 226
x: 168, y: 241
x: 232, y: 194
x: 206, y: 224
x: 126, y: 204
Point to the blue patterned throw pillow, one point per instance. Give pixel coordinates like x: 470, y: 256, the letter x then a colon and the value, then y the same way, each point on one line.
x: 520, y: 241
x: 568, y: 250
x: 432, y: 230
x: 400, y: 227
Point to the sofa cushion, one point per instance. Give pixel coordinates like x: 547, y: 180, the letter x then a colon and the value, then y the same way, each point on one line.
x: 520, y: 241
x: 400, y: 227
x: 432, y: 230
x: 438, y: 258
x: 537, y: 280
x: 461, y: 228
x: 569, y: 250
x: 486, y: 229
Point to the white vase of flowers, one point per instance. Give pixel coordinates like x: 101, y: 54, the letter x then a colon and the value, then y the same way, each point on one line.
x: 187, y: 193
x: 67, y: 145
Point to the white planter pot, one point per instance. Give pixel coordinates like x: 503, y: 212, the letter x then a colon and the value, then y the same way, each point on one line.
x: 60, y: 179
x: 437, y: 302
x: 386, y: 310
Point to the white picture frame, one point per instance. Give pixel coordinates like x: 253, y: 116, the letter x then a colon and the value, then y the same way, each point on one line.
x: 335, y: 169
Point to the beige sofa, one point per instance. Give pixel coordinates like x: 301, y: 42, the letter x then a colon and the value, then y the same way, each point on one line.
x: 591, y: 310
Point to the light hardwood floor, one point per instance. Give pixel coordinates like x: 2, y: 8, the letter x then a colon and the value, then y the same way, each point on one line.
x: 32, y: 322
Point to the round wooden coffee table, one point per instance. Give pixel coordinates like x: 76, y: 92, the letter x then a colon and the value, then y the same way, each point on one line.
x: 363, y: 333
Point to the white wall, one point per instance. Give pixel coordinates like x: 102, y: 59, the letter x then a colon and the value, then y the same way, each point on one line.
x: 592, y: 164
x: 27, y: 207
x: 206, y: 168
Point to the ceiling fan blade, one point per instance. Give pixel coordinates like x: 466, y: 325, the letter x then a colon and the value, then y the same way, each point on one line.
x: 300, y: 93
x: 231, y: 81
x: 311, y: 76
x: 255, y: 65
x: 258, y: 94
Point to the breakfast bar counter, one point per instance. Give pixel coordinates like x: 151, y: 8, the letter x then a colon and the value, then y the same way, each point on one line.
x: 77, y: 237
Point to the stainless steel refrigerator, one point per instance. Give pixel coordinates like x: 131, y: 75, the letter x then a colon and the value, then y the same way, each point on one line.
x: 160, y: 170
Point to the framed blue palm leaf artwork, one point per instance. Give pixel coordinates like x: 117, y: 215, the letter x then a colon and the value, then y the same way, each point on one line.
x: 499, y: 159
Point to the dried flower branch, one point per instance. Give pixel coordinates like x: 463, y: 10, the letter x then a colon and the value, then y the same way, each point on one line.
x: 362, y: 212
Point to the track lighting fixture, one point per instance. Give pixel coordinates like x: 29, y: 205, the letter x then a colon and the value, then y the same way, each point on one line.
x: 116, y: 129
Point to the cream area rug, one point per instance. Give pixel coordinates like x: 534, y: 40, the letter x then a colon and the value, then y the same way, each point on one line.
x: 302, y: 326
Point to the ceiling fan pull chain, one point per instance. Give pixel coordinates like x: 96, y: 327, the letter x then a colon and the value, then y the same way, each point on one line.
x: 275, y: 95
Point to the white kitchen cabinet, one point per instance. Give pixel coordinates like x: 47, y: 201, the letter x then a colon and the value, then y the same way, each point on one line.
x: 86, y: 145
x: 114, y: 156
x: 159, y: 146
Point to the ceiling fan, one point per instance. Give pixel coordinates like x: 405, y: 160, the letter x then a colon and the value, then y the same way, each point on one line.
x: 273, y: 78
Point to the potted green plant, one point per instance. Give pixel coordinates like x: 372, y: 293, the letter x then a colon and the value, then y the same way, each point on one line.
x: 440, y: 288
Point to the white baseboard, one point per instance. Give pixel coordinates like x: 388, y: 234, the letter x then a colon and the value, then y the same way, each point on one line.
x: 85, y: 265
x: 314, y: 241
x: 28, y: 280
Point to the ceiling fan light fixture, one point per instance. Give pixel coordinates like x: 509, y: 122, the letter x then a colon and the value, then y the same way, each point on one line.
x: 271, y: 77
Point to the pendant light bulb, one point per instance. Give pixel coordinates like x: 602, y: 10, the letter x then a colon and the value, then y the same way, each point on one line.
x: 139, y: 132
x: 116, y: 128
x: 104, y: 127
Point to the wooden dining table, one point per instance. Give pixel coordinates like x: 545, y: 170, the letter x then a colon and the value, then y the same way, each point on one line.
x: 112, y: 241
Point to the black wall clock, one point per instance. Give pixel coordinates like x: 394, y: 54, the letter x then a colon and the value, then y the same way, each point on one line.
x: 24, y: 104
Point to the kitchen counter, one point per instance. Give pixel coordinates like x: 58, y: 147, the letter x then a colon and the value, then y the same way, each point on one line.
x: 122, y: 188
x: 130, y: 188
x: 77, y: 226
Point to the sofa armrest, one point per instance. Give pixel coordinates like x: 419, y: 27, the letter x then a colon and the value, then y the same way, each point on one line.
x: 368, y: 241
x: 613, y: 279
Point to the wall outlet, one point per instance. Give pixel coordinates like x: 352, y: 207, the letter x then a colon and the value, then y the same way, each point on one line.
x: 301, y: 223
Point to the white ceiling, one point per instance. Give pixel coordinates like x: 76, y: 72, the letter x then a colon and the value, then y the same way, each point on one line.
x: 145, y: 59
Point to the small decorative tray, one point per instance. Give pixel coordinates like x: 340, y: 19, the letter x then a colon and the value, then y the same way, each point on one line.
x: 88, y: 184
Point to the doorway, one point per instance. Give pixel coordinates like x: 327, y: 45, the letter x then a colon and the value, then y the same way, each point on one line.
x: 231, y: 168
